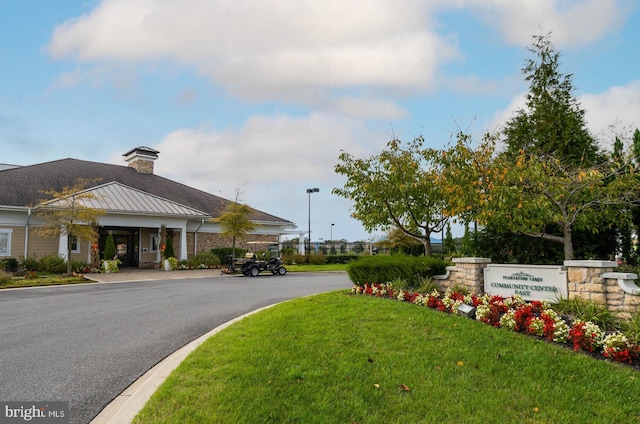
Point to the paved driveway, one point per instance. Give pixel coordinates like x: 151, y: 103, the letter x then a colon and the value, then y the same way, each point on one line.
x: 86, y: 344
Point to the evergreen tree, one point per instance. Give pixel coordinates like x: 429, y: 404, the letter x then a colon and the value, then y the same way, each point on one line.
x: 448, y: 245
x: 550, y: 131
x: 110, y: 251
x: 168, y: 249
x: 552, y: 121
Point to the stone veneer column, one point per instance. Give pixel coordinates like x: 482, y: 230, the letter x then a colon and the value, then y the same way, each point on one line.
x: 586, y: 280
x: 622, y: 293
x: 468, y: 272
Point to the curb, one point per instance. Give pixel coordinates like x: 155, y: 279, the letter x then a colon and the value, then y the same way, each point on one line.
x: 124, y: 408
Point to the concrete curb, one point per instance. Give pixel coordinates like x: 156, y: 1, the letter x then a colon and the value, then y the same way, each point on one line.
x: 124, y: 408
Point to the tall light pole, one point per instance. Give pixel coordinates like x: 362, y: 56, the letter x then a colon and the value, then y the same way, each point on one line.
x: 309, y: 191
x: 331, y: 251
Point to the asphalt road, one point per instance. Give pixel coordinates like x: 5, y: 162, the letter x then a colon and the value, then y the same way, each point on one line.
x: 86, y: 344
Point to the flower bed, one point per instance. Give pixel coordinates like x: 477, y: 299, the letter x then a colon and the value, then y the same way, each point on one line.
x: 513, y: 313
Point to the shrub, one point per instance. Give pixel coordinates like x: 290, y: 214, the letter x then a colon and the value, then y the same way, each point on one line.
x: 204, y: 260
x: 81, y: 267
x: 428, y: 285
x: 317, y: 259
x: 294, y: 258
x: 9, y: 264
x: 29, y: 263
x: 631, y: 327
x: 168, y: 249
x: 341, y: 259
x: 53, y: 264
x: 399, y: 284
x: 224, y: 253
x: 110, y: 251
x: 381, y: 269
x: 588, y: 310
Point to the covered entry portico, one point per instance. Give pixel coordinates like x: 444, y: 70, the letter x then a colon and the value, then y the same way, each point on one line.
x: 135, y: 218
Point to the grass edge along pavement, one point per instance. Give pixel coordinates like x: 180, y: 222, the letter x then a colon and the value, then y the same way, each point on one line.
x: 336, y: 357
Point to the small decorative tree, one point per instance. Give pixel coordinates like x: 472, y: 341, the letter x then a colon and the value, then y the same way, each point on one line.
x: 235, y: 222
x: 66, y: 213
x: 110, y: 255
x: 168, y: 249
x: 110, y: 248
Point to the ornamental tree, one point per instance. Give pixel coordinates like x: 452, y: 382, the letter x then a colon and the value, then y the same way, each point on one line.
x: 66, y: 212
x: 234, y: 222
x: 531, y: 191
x: 396, y: 188
x: 539, y: 190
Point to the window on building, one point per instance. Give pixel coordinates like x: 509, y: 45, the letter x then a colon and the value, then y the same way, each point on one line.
x: 75, y: 246
x: 5, y: 242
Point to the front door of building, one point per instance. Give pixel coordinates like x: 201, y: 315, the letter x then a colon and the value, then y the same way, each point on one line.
x: 127, y: 243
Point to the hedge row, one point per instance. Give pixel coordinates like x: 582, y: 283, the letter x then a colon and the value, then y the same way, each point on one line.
x: 50, y: 264
x: 382, y: 269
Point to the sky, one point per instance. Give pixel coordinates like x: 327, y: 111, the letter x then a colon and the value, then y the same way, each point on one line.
x: 259, y: 98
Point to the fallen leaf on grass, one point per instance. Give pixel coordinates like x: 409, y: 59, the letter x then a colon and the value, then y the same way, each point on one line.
x: 405, y: 387
x: 377, y: 386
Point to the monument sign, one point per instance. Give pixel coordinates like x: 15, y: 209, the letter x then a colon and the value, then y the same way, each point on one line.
x: 531, y: 282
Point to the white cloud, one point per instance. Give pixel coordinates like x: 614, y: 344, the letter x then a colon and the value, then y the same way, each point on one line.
x: 305, y: 52
x: 619, y: 106
x: 258, y: 49
x: 573, y: 23
x: 265, y: 151
x: 272, y: 160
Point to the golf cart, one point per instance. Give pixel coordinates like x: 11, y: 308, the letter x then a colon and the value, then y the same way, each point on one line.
x: 270, y: 260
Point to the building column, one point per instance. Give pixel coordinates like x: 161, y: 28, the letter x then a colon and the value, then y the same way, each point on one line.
x: 62, y: 244
x: 183, y: 243
x: 301, y: 244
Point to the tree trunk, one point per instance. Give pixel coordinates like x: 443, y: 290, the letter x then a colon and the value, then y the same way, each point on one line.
x: 568, y: 243
x: 233, y: 253
x: 427, y: 245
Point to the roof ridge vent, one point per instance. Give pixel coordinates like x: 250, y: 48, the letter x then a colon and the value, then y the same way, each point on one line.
x: 141, y: 159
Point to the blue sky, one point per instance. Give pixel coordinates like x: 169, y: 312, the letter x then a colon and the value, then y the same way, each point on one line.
x: 261, y: 97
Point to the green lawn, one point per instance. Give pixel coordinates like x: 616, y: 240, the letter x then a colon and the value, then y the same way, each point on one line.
x: 340, y: 358
x: 9, y: 283
x: 316, y: 268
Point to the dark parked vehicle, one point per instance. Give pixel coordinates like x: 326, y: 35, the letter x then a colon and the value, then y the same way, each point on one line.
x: 269, y: 260
x: 253, y: 266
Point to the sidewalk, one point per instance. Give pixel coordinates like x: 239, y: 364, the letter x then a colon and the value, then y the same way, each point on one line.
x: 137, y: 274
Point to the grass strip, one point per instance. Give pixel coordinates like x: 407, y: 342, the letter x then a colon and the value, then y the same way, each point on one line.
x: 339, y: 358
x: 41, y: 282
x: 316, y: 268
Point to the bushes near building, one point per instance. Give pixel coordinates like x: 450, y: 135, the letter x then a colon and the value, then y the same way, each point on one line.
x: 414, y: 270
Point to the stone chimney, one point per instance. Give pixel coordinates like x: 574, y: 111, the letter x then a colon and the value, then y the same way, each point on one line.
x: 141, y: 159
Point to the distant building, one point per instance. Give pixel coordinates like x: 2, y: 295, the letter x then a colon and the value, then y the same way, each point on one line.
x: 137, y: 203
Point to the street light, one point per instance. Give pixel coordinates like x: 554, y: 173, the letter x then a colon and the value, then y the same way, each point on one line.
x: 309, y: 191
x: 331, y: 251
